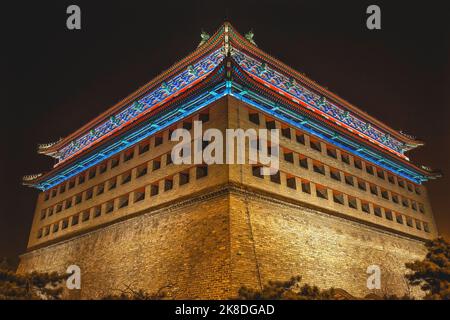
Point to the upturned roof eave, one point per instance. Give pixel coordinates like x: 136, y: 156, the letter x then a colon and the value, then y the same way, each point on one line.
x: 209, y: 45
x: 240, y: 41
x: 328, y: 94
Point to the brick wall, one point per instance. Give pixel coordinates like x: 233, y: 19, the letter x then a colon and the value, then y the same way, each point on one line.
x: 209, y: 246
x: 283, y: 240
x: 184, y: 246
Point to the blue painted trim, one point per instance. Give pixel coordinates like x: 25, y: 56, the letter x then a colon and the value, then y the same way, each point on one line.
x: 202, y: 100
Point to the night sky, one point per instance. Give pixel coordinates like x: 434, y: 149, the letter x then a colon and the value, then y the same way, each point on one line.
x: 55, y: 80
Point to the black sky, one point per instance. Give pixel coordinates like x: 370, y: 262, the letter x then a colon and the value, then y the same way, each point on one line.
x: 55, y: 80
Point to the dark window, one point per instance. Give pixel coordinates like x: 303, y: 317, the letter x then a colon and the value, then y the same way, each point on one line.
x: 201, y: 171
x: 286, y: 132
x: 421, y: 208
x: 47, y: 231
x: 97, y: 211
x: 114, y: 162
x: 319, y: 167
x: 300, y: 138
x: 365, y: 207
x: 303, y: 161
x: 203, y: 117
x: 306, y: 186
x: 289, y: 157
x: 373, y: 189
x: 92, y: 173
x: 349, y: 180
x: 126, y: 177
x: 394, y: 198
x: 56, y: 227
x: 184, y: 178
x: 102, y: 168
x: 254, y: 117
x: 405, y: 202
x: 168, y: 184
x: 256, y: 171
x: 409, y: 222
x: 89, y: 194
x: 345, y: 158
x: 426, y: 227
x: 62, y: 189
x: 338, y: 197
x: 154, y: 190
x: 158, y: 141
x: 168, y: 159
x: 65, y: 223
x: 75, y: 219
x: 109, y: 206
x: 331, y: 152
x: 68, y: 203
x: 399, y: 218
x: 139, y: 195
x: 380, y: 174
x: 58, y: 208
x: 156, y: 164
x: 275, y: 177
x: 290, y: 182
x: 46, y: 196
x: 315, y: 145
x: 377, y: 211
x: 385, y: 194
x: 39, y: 234
x: 418, y: 225
x: 352, y: 203
x: 43, y: 214
x: 50, y: 212
x: 128, y: 155
x: 144, y: 147
x: 388, y: 214
x: 391, y: 179
x: 53, y: 193
x: 414, y: 205
x: 410, y: 187
x: 358, y: 163
x: 112, y: 184
x: 401, y: 183
x: 417, y: 189
x: 71, y: 183
x: 187, y: 125
x: 369, y: 169
x: 321, y: 192
x: 335, y: 174
x: 100, y: 188
x: 141, y: 170
x: 85, y: 216
x: 123, y: 201
x: 270, y: 125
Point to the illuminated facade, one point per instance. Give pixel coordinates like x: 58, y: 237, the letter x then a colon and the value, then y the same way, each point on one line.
x: 340, y: 169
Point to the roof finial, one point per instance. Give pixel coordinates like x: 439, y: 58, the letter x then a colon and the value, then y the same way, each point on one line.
x: 249, y: 36
x: 205, y: 36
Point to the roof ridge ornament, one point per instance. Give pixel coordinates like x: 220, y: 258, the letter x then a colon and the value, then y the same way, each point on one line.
x: 407, y: 135
x: 44, y: 146
x: 226, y: 40
x: 249, y: 36
x: 31, y: 177
x: 205, y: 37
